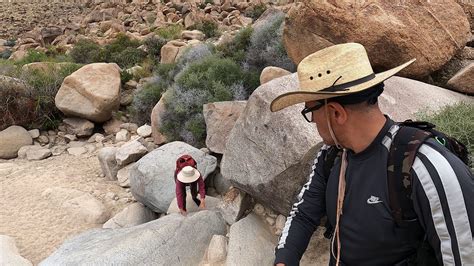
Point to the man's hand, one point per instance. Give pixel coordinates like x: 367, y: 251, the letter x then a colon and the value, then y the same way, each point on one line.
x: 203, y: 204
x: 183, y: 212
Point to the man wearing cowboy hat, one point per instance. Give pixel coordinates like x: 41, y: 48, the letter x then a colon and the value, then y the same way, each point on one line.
x: 340, y: 90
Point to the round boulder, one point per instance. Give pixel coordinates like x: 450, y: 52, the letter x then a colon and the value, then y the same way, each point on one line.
x: 152, y: 177
x: 11, y: 140
x: 92, y: 92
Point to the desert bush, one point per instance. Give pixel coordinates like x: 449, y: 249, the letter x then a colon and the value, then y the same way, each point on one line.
x: 153, y: 46
x: 193, y: 54
x: 86, y: 51
x: 10, y: 42
x: 33, y: 56
x: 266, y: 46
x: 127, y: 58
x: 123, y: 51
x: 165, y: 73
x: 125, y: 76
x: 454, y: 120
x: 237, y: 48
x: 209, y: 79
x: 144, y: 100
x: 5, y: 54
x: 256, y: 11
x: 35, y: 107
x: 170, y: 32
x: 8, y: 68
x: 208, y: 27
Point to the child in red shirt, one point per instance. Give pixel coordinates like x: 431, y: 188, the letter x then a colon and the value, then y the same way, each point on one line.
x: 186, y: 174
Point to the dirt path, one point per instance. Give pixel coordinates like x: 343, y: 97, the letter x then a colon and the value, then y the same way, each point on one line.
x: 38, y: 224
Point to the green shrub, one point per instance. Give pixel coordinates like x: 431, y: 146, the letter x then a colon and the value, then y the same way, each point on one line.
x: 33, y: 56
x: 237, y: 48
x: 153, y: 46
x: 127, y: 58
x: 86, y: 51
x: 35, y: 108
x: 10, y: 42
x: 5, y: 54
x: 266, y: 46
x: 125, y: 76
x: 144, y: 100
x: 210, y: 79
x: 8, y: 68
x: 170, y: 32
x: 256, y: 11
x: 208, y: 27
x: 166, y: 73
x: 456, y: 121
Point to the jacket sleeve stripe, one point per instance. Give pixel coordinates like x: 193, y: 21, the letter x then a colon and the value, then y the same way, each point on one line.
x: 455, y: 201
x: 294, y: 210
x: 436, y: 211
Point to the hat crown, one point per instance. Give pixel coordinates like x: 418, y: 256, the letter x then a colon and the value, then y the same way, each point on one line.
x: 334, y: 65
x: 188, y: 171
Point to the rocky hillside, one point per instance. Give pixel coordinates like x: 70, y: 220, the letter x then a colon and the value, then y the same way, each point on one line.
x: 17, y: 18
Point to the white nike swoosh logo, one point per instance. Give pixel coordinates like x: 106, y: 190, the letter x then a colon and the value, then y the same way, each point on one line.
x: 373, y: 201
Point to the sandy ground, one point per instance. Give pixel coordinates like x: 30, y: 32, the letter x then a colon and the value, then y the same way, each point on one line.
x: 39, y: 225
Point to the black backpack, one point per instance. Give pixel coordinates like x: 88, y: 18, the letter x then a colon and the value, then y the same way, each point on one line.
x: 405, y: 145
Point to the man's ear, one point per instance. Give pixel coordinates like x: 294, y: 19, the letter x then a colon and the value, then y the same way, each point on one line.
x: 337, y: 112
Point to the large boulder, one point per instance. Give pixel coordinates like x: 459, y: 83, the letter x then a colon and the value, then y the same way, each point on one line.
x: 265, y: 152
x: 393, y: 32
x: 11, y: 140
x: 157, y: 115
x: 271, y: 73
x: 132, y: 215
x: 211, y: 204
x: 10, y: 254
x: 92, y: 92
x: 463, y: 81
x: 152, y: 177
x: 403, y: 98
x: 234, y: 205
x: 220, y: 118
x: 250, y: 243
x: 171, y: 240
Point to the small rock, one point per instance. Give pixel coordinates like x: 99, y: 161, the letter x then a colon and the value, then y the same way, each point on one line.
x: 131, y: 127
x: 58, y: 150
x: 95, y: 138
x: 43, y: 139
x: 271, y: 213
x: 270, y: 221
x: 144, y: 131
x: 10, y: 253
x: 38, y: 154
x: 70, y: 137
x: 34, y: 133
x: 122, y: 136
x: 107, y: 161
x: 79, y: 126
x: 76, y: 151
x: 259, y: 209
x: 280, y: 222
x: 123, y: 174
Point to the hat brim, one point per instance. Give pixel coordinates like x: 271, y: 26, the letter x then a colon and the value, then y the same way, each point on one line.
x: 295, y: 97
x: 185, y: 179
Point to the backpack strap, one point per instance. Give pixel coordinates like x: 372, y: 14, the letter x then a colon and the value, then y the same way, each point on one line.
x: 331, y: 155
x: 402, y: 154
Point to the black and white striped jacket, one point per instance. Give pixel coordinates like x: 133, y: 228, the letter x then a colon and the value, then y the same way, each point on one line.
x: 443, y: 197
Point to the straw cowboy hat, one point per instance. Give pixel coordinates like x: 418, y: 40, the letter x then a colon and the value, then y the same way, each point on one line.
x: 188, y: 174
x: 338, y: 70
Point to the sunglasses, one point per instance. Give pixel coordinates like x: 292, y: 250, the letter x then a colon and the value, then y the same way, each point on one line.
x: 308, y: 111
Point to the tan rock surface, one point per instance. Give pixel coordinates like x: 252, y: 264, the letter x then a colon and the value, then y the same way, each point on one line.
x: 37, y: 225
x: 92, y: 92
x: 393, y: 32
